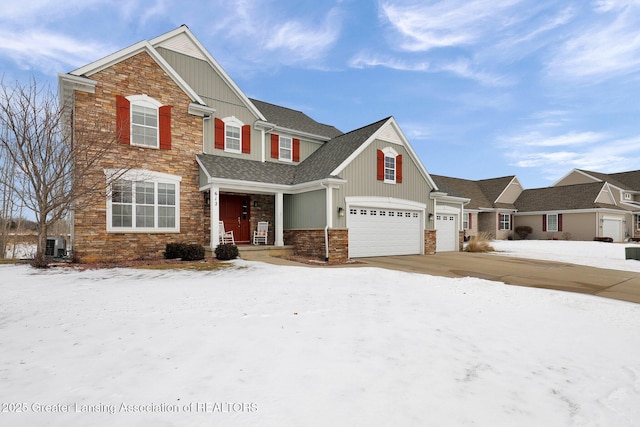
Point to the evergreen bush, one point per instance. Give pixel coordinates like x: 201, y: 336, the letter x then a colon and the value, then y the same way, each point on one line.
x: 226, y: 252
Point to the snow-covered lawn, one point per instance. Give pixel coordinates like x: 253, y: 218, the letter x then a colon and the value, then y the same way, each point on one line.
x: 594, y: 254
x: 258, y: 344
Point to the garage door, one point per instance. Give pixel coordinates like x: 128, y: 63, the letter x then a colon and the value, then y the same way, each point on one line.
x: 612, y: 227
x: 381, y: 232
x: 446, y: 236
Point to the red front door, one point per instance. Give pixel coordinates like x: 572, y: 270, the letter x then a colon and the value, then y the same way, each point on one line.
x: 234, y: 212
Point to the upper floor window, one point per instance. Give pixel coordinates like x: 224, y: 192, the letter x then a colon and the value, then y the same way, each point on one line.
x: 285, y: 148
x: 231, y: 135
x: 389, y: 167
x: 143, y: 121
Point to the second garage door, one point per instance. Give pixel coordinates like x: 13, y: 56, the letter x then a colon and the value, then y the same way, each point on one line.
x: 381, y: 232
x: 446, y: 236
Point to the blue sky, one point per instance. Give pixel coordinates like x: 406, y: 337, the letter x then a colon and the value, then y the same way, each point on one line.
x: 481, y: 88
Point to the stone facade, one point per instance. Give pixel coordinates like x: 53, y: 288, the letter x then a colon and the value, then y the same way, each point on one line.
x: 310, y: 243
x: 137, y: 75
x: 429, y: 242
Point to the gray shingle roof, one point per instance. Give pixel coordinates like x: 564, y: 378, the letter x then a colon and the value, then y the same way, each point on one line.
x: 626, y: 180
x: 293, y: 119
x: 576, y: 196
x: 247, y: 170
x: 317, y: 166
x: 324, y: 160
x: 482, y: 193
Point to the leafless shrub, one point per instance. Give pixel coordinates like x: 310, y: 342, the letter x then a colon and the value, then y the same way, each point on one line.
x: 480, y: 243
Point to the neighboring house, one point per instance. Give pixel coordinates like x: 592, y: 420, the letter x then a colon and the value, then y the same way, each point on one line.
x: 625, y: 189
x: 490, y: 208
x: 195, y: 150
x: 576, y: 211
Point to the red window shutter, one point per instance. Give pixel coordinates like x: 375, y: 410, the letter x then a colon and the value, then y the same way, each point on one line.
x: 246, y: 139
x: 559, y: 222
x: 510, y: 222
x: 380, y: 165
x: 275, y: 146
x: 296, y: 150
x: 219, y: 134
x: 470, y: 224
x: 123, y: 116
x: 399, y: 169
x: 544, y: 222
x: 164, y: 113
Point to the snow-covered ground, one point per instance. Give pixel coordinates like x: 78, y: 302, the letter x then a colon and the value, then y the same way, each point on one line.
x: 258, y: 344
x: 594, y: 254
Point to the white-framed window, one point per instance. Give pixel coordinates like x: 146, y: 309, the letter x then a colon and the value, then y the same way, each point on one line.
x: 232, y: 135
x: 143, y: 201
x: 389, y: 169
x: 144, y: 121
x: 552, y: 222
x: 465, y: 220
x: 505, y: 221
x: 286, y: 148
x: 390, y: 165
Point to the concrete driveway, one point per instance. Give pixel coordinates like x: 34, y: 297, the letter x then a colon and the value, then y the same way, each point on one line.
x: 622, y: 285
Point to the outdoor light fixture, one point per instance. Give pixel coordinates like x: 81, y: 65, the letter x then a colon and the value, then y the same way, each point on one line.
x: 340, y: 212
x: 430, y: 217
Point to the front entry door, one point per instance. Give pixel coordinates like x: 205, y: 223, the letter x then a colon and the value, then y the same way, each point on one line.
x: 234, y: 212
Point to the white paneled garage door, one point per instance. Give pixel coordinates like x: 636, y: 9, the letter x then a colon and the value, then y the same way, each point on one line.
x: 612, y: 227
x: 446, y: 236
x: 381, y: 232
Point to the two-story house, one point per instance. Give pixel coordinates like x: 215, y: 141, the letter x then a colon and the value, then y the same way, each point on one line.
x: 195, y: 152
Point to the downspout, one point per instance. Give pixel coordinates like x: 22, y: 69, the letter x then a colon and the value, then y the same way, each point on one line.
x: 326, y: 231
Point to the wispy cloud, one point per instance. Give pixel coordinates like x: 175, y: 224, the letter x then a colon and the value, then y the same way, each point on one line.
x: 305, y: 40
x: 50, y: 51
x: 537, y: 139
x: 368, y: 59
x: 446, y: 23
x: 608, y: 47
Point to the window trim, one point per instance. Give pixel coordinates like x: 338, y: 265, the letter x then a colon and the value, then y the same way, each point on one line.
x: 141, y: 175
x: 281, y: 139
x: 501, y: 222
x: 391, y: 154
x: 549, y: 229
x: 233, y: 121
x: 144, y: 101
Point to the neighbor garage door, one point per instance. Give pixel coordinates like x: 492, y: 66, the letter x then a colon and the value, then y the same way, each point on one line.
x: 446, y: 236
x: 380, y: 232
x: 612, y: 227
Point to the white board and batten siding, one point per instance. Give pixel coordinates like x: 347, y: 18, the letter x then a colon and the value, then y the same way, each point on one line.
x: 383, y: 227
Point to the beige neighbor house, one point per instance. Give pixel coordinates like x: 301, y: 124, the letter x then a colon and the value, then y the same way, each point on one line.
x: 195, y: 150
x: 583, y: 205
x: 490, y: 208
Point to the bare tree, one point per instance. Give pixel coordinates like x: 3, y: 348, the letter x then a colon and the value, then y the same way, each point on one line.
x: 50, y: 154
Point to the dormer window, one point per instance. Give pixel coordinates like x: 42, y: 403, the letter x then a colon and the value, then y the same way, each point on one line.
x: 232, y: 135
x: 389, y: 166
x: 285, y: 148
x: 627, y: 196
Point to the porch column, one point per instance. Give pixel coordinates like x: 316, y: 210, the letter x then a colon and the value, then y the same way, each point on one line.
x: 279, y: 232
x: 214, y: 215
x: 329, y: 205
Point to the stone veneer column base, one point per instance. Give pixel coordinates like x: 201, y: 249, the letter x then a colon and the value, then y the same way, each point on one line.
x: 429, y: 242
x: 310, y: 243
